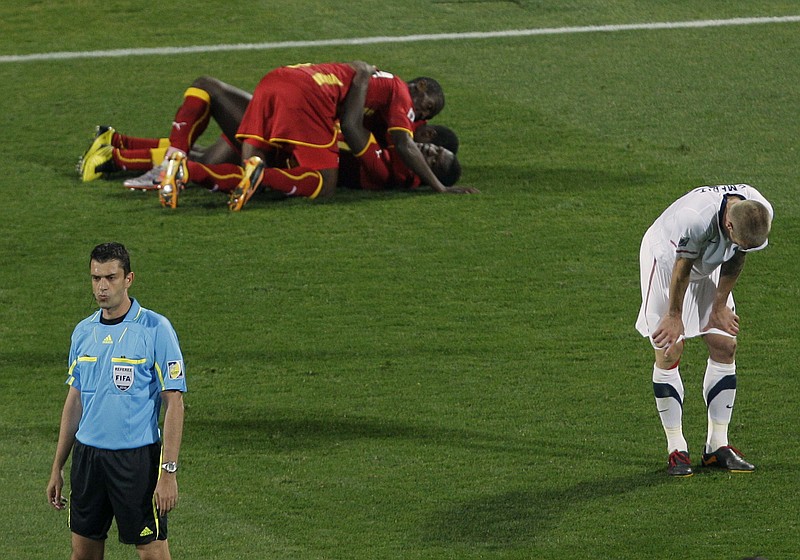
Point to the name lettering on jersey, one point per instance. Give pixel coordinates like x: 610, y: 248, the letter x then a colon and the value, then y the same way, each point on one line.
x: 327, y: 79
x: 175, y: 369
x: 108, y: 339
x: 720, y: 188
x: 123, y: 377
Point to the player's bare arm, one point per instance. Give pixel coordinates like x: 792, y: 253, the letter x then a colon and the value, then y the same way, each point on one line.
x: 352, y: 117
x: 414, y: 160
x: 670, y: 328
x: 723, y: 317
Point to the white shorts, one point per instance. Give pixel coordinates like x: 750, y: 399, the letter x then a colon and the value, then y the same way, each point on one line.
x: 655, y: 277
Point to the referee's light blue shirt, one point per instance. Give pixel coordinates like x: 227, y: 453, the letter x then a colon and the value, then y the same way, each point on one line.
x: 120, y: 371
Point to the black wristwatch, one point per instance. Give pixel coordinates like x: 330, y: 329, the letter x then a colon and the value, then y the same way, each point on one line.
x: 170, y: 466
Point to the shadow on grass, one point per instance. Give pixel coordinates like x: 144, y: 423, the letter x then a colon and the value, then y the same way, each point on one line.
x: 285, y: 431
x: 199, y: 198
x: 497, y: 180
x: 565, y: 180
x: 517, y: 518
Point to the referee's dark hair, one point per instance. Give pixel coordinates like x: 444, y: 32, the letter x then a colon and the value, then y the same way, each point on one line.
x: 112, y: 251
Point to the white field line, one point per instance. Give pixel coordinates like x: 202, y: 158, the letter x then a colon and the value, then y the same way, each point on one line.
x: 399, y: 39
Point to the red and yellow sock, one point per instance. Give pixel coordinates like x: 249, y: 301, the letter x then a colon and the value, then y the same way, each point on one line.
x: 138, y: 159
x: 298, y: 181
x: 191, y: 119
x: 220, y: 176
x: 137, y: 143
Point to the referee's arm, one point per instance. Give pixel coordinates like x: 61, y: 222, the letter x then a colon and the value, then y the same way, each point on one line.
x: 166, y: 494
x: 70, y: 418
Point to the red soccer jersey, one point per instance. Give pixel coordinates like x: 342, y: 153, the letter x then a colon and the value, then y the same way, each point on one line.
x: 388, y: 105
x: 382, y: 168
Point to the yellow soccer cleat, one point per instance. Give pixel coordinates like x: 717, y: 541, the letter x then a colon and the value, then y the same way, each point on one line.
x: 173, y: 180
x: 253, y: 174
x: 101, y: 161
x: 90, y: 160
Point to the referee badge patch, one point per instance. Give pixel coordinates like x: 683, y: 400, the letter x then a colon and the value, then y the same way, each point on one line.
x: 123, y: 376
x: 175, y: 369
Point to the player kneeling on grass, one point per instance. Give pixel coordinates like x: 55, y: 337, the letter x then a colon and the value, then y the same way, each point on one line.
x: 690, y: 260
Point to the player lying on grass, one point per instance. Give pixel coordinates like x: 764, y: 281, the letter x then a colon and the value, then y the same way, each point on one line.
x: 378, y: 165
x: 216, y: 167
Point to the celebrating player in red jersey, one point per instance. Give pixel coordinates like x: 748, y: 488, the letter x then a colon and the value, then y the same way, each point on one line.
x: 296, y: 109
x: 214, y: 167
x: 380, y: 167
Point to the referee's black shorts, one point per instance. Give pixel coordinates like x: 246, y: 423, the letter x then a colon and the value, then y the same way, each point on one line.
x: 107, y: 484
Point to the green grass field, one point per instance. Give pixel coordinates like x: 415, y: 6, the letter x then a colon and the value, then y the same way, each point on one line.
x: 414, y: 376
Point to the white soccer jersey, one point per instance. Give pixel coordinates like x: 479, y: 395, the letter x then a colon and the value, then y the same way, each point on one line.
x: 691, y: 228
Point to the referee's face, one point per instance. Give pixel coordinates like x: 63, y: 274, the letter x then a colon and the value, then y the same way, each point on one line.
x: 110, y: 287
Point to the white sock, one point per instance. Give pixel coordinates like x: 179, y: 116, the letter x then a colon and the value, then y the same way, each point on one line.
x: 719, y: 391
x: 668, y: 390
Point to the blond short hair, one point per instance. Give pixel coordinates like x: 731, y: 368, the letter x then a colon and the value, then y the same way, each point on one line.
x: 751, y: 222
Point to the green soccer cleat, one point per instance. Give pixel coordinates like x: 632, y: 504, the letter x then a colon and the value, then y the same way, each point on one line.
x: 679, y: 464
x: 727, y: 458
x: 90, y: 160
x: 253, y: 174
x: 173, y: 180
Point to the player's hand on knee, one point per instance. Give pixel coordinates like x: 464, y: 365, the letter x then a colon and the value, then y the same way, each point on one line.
x: 724, y: 319
x: 668, y: 332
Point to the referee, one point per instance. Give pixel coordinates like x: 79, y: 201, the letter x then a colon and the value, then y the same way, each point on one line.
x: 125, y: 362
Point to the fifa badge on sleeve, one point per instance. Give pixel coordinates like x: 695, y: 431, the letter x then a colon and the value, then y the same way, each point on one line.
x: 175, y: 369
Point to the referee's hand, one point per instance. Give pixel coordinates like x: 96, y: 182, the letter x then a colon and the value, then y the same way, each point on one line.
x: 54, y: 491
x: 166, y: 494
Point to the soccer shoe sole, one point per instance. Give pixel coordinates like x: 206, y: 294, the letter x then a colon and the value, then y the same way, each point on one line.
x: 172, y: 182
x: 253, y: 174
x: 102, y: 137
x: 100, y: 156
